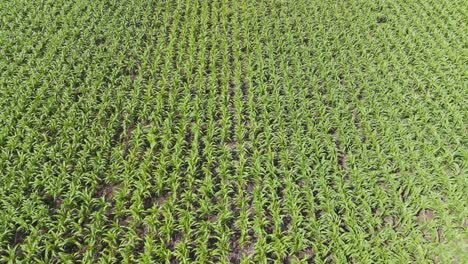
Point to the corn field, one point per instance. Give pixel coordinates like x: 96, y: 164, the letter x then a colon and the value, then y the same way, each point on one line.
x: 269, y: 131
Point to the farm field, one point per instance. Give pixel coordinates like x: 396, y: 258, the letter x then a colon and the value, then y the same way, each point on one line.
x: 227, y: 131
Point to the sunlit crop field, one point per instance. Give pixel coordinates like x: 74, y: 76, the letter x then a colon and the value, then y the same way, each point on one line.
x: 230, y: 131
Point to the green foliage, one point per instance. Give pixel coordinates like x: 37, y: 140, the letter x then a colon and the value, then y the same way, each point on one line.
x: 233, y: 131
